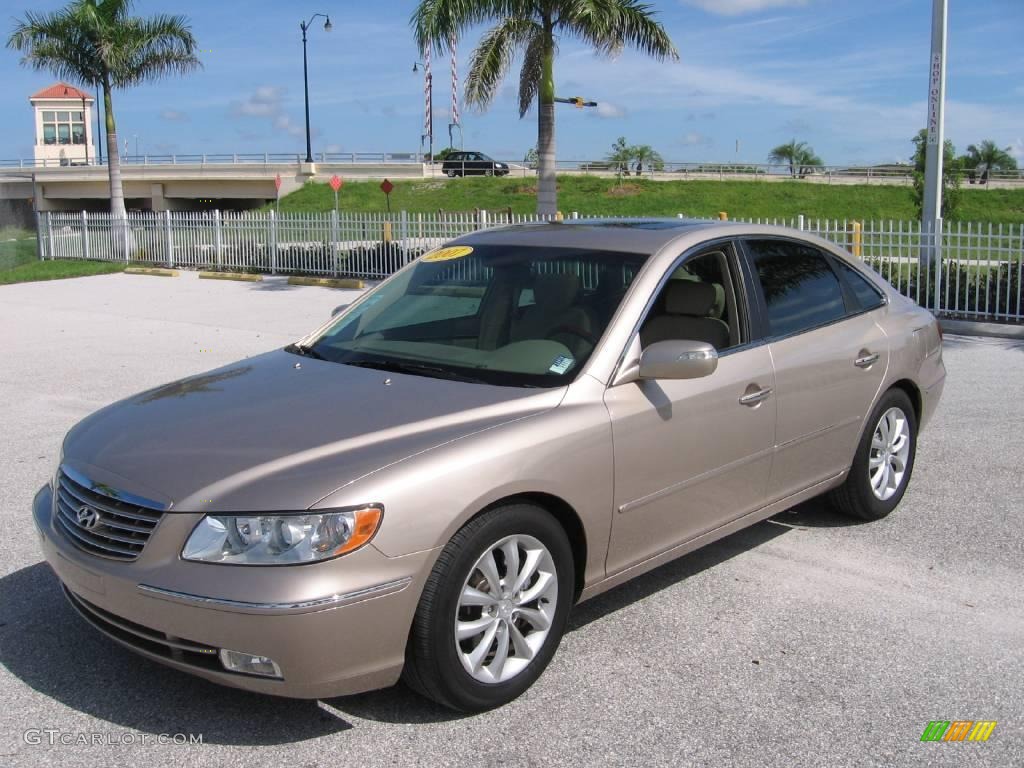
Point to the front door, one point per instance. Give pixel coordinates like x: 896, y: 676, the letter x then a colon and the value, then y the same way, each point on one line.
x: 692, y: 455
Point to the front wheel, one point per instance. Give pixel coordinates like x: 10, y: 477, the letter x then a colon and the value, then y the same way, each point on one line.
x: 884, y: 460
x: 493, y: 609
x: 452, y: 173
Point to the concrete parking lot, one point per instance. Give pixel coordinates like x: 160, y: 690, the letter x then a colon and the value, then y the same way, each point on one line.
x: 807, y: 640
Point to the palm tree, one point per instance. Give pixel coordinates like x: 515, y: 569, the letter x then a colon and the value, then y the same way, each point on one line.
x: 644, y: 154
x: 97, y: 42
x: 987, y: 157
x: 798, y: 155
x: 531, y: 27
x: 620, y: 156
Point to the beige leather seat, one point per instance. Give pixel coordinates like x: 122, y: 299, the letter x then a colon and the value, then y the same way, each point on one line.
x: 686, y: 314
x: 554, y: 314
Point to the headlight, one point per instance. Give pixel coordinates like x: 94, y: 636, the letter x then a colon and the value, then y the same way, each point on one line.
x: 302, y: 537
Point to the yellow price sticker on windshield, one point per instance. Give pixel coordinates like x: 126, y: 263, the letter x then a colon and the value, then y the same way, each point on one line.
x: 448, y: 254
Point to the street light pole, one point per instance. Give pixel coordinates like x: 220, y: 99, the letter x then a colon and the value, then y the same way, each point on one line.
x: 304, y: 26
x: 85, y: 129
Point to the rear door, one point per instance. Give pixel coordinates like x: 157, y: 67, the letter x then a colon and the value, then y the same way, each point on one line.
x: 829, y: 353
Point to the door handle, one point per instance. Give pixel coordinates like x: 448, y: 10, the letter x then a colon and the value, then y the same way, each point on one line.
x: 753, y: 398
x: 866, y: 361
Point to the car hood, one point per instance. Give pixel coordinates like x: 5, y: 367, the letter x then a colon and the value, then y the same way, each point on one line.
x: 280, y: 432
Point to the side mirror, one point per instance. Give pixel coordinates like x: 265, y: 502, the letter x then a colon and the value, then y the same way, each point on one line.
x: 678, y: 360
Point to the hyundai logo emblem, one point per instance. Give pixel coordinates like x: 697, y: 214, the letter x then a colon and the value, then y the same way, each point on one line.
x: 88, y: 518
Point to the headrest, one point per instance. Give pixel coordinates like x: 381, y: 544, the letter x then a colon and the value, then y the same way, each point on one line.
x: 689, y: 297
x: 553, y: 292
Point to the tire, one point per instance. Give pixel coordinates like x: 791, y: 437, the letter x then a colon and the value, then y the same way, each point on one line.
x: 440, y: 667
x: 489, y: 172
x: 452, y: 173
x: 857, y: 496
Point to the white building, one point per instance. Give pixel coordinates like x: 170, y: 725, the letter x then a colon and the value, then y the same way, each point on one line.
x: 64, y: 126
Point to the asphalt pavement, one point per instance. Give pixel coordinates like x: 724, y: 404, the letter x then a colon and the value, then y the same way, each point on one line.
x: 806, y: 640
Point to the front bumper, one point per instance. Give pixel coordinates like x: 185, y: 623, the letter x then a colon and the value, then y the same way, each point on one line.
x: 334, y: 628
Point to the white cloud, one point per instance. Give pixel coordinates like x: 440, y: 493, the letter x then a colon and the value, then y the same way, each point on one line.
x: 739, y: 7
x: 174, y: 116
x: 267, y: 101
x: 606, y: 110
x: 696, y: 139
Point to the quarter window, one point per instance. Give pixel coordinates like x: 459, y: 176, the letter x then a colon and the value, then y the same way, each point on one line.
x: 801, y: 291
x: 868, y: 297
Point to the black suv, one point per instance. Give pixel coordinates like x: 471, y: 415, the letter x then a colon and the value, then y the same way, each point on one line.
x: 473, y: 164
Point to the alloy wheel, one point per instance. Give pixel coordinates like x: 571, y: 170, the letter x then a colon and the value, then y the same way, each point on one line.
x: 506, y: 609
x: 890, y: 450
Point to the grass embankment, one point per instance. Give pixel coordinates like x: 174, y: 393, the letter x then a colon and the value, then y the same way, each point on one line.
x: 57, y: 270
x: 591, y: 195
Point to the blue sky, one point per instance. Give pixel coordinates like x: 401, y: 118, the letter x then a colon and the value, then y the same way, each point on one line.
x: 848, y: 77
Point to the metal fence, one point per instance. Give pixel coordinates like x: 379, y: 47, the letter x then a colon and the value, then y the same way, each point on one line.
x: 954, y: 268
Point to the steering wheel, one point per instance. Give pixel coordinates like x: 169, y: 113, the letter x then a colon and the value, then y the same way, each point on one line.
x: 574, y: 330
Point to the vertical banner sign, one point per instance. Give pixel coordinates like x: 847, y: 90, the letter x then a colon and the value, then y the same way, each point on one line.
x: 277, y: 186
x: 934, y: 94
x: 455, y: 84
x: 428, y: 96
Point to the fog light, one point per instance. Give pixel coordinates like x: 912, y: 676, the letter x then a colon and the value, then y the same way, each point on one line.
x: 247, y: 663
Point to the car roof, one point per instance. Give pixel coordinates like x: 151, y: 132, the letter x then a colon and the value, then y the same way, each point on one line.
x: 625, y: 235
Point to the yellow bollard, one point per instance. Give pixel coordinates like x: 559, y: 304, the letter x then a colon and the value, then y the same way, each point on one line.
x: 387, y: 231
x: 723, y: 215
x: 857, y: 229
x: 558, y: 216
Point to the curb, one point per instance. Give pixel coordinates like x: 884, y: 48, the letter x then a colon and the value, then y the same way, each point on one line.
x: 154, y: 271
x: 975, y: 328
x: 328, y: 282
x: 240, y: 276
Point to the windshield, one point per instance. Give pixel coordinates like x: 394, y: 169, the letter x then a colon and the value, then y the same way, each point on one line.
x: 507, y: 315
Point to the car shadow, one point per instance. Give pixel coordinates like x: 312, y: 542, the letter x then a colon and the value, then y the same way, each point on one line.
x: 51, y: 649
x: 816, y: 513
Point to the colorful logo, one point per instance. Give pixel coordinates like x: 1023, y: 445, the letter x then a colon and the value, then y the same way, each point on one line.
x: 958, y: 730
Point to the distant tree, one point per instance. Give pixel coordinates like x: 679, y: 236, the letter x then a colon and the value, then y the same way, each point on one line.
x: 97, y: 42
x: 798, y: 155
x: 644, y: 155
x: 440, y: 157
x: 951, y: 171
x: 621, y: 155
x: 982, y: 159
x: 531, y: 158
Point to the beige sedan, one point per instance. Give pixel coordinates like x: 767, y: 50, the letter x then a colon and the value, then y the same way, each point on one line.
x: 425, y: 486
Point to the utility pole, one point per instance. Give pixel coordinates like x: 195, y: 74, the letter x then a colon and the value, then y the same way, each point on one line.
x: 931, y: 209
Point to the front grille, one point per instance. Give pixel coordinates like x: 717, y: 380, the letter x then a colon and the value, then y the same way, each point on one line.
x: 114, y: 528
x: 142, y: 638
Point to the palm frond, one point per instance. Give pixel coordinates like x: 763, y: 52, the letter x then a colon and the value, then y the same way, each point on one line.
x: 611, y: 25
x: 148, y: 49
x: 493, y: 56
x: 531, y: 73
x: 436, y: 23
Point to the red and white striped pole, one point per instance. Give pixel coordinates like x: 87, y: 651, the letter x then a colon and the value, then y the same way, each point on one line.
x: 428, y: 95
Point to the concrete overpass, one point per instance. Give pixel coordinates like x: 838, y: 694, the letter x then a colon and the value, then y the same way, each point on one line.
x: 181, y: 186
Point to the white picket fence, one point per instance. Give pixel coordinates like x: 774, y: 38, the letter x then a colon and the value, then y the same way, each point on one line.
x: 969, y: 270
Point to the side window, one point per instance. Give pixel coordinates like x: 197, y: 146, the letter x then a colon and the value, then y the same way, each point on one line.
x: 868, y: 297
x: 800, y: 289
x: 697, y: 303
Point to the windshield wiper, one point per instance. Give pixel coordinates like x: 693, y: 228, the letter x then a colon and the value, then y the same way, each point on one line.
x: 299, y: 349
x: 416, y: 369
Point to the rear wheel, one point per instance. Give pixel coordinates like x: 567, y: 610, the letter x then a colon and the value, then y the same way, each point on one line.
x: 452, y: 173
x: 884, y: 460
x: 493, y: 609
